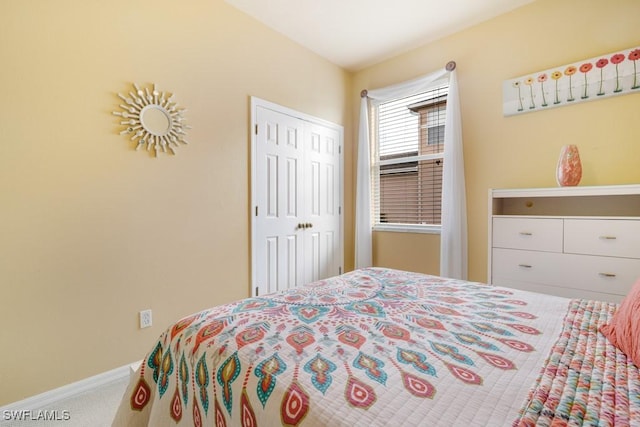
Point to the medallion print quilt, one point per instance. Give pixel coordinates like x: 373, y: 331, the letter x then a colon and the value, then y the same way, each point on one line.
x: 371, y: 347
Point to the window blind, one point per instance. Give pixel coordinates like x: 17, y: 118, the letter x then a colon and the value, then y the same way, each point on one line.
x: 408, y: 151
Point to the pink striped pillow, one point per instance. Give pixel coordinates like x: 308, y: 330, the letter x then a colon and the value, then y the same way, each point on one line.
x: 624, y: 329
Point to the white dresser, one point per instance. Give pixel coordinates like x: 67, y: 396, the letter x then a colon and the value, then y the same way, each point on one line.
x: 576, y: 242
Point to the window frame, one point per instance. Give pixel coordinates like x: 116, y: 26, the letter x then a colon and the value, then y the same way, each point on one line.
x: 438, y: 98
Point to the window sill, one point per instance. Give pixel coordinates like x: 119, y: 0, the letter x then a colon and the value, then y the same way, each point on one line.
x: 407, y: 228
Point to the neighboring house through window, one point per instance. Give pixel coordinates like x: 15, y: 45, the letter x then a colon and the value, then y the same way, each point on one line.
x: 408, y: 154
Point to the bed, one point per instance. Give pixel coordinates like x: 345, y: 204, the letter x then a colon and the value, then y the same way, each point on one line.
x: 378, y: 347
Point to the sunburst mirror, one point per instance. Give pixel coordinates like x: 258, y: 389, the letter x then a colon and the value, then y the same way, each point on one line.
x: 153, y: 119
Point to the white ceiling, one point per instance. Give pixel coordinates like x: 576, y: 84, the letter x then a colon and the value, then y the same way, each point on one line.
x: 358, y: 33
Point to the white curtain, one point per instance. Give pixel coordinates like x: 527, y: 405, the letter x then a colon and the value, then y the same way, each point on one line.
x: 363, y: 191
x: 453, y: 246
x: 453, y: 236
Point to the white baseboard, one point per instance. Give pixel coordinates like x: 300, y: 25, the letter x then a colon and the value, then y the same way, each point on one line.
x: 49, y: 398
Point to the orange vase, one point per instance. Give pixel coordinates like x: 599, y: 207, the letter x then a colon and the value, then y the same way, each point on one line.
x: 569, y: 170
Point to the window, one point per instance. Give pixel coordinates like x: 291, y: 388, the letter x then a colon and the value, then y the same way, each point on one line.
x: 408, y: 150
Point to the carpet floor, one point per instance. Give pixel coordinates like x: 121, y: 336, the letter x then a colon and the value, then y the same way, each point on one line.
x: 95, y: 408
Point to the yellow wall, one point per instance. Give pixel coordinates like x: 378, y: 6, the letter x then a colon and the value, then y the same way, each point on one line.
x: 521, y: 151
x: 92, y: 231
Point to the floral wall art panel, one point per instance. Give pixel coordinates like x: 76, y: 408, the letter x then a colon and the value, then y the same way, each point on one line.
x: 591, y: 79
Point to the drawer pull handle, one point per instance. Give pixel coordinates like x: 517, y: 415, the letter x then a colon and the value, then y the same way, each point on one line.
x: 608, y: 237
x: 524, y: 265
x: 526, y: 233
x: 607, y: 275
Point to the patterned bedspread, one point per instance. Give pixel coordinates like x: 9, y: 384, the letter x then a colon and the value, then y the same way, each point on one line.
x: 369, y: 348
x: 585, y: 380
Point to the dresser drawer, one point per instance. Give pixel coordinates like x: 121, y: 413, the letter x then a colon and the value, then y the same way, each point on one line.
x: 540, y: 234
x: 583, y: 273
x: 599, y: 274
x: 618, y: 238
x: 526, y: 266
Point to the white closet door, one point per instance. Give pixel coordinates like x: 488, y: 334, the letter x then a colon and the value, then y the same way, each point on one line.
x: 279, y: 198
x: 322, y: 204
x: 296, y: 199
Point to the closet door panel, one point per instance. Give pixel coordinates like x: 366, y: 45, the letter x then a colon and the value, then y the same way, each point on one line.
x: 296, y: 198
x: 278, y: 254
